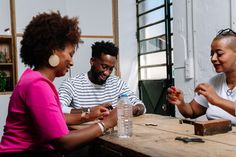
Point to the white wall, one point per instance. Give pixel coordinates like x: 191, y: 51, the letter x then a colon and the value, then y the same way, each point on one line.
x: 128, y: 43
x: 196, y: 22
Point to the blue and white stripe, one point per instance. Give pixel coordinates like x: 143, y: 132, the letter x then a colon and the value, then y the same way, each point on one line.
x: 79, y: 92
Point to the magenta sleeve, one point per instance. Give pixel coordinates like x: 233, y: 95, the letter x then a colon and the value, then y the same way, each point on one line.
x: 45, y: 109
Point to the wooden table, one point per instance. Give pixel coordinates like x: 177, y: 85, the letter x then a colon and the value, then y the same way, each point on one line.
x: 160, y: 140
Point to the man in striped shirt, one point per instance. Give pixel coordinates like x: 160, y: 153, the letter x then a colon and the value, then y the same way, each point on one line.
x: 88, y: 91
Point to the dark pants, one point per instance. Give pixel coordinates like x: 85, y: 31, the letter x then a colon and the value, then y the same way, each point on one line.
x: 32, y: 154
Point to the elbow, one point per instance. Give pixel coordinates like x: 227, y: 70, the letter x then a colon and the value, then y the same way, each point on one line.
x: 61, y: 145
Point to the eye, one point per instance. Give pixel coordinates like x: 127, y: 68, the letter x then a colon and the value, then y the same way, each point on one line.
x: 218, y: 53
x: 72, y: 53
x: 104, y: 66
x: 212, y: 53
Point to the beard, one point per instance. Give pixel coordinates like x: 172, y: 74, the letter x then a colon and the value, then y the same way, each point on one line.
x: 96, y: 76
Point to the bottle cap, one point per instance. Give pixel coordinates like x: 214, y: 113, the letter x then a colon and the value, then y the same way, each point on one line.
x: 123, y: 95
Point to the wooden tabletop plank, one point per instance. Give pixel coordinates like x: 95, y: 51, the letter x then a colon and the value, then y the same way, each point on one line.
x: 159, y: 140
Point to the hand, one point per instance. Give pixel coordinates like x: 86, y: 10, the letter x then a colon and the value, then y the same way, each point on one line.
x: 175, y: 96
x: 108, y: 105
x: 98, y: 112
x: 138, y: 109
x: 208, y: 92
x: 111, y: 120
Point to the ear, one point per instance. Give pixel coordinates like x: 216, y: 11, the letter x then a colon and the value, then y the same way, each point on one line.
x: 92, y: 61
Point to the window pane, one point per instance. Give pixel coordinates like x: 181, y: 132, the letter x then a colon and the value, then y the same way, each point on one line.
x: 172, y: 42
x: 153, y: 73
x: 155, y: 44
x: 152, y: 17
x: 148, y: 5
x: 153, y: 58
x: 172, y: 57
x: 152, y: 31
x: 171, y: 11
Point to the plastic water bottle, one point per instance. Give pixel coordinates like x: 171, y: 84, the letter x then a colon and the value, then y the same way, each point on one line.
x: 125, y: 116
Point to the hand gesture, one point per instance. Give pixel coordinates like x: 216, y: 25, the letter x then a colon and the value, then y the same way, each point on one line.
x: 138, y: 109
x: 108, y: 105
x: 208, y: 92
x: 111, y: 120
x: 175, y: 96
x: 98, y: 112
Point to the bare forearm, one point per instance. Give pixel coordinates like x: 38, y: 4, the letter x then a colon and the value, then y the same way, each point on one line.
x: 227, y: 105
x: 76, y: 118
x: 186, y: 110
x: 78, y: 138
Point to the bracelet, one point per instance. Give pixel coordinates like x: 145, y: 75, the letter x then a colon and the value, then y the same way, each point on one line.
x: 105, y: 129
x: 101, y: 127
x: 86, y: 110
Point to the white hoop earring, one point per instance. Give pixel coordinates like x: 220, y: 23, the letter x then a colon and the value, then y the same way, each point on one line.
x: 54, y: 60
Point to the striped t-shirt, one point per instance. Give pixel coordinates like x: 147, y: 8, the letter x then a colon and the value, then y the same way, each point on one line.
x: 79, y: 91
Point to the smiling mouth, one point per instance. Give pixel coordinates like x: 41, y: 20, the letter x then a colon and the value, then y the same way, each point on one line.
x: 102, y: 77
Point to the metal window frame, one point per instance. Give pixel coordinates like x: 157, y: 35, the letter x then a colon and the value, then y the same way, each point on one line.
x: 167, y: 5
x: 161, y: 106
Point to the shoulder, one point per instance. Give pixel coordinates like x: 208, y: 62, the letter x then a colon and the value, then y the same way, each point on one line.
x: 32, y: 81
x: 114, y: 79
x: 32, y: 78
x: 80, y: 78
x: 219, y: 78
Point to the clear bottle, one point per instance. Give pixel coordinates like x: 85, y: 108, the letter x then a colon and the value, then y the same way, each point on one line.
x: 125, y: 116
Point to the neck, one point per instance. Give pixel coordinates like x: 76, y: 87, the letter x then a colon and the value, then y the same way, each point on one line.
x: 90, y: 76
x: 231, y: 79
x: 47, y: 72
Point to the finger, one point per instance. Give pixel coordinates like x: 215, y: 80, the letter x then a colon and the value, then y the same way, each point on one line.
x: 104, y: 109
x: 172, y: 89
x: 104, y: 114
x: 202, y: 92
x: 172, y: 101
x: 107, y: 104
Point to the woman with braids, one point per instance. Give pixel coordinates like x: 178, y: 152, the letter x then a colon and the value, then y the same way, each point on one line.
x: 35, y: 125
x: 216, y: 98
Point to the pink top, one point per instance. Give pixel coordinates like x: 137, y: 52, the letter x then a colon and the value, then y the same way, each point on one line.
x: 34, y: 116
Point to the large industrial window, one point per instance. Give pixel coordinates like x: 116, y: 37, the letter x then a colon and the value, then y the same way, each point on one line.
x: 154, y: 36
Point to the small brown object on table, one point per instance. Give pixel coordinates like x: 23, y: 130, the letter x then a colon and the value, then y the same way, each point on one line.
x: 212, y: 127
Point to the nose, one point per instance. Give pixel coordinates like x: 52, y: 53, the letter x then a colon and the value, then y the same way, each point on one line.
x: 106, y: 72
x: 71, y: 62
x: 214, y: 57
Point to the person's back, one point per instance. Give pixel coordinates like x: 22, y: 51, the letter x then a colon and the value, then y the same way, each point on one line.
x: 20, y: 132
x: 35, y: 124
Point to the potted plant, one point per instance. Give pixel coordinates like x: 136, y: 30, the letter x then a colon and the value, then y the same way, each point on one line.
x: 3, y: 81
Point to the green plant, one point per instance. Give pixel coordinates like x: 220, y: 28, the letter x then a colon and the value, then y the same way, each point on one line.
x: 3, y: 81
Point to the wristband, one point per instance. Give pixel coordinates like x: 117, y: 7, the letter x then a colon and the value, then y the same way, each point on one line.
x: 85, y: 110
x: 101, y: 127
x: 105, y: 129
